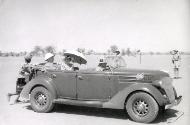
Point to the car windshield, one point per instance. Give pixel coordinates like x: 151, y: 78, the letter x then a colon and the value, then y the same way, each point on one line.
x: 115, y: 61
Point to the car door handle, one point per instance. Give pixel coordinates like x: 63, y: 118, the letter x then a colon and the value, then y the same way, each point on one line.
x: 80, y: 77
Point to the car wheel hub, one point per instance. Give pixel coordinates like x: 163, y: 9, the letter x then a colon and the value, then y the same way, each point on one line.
x: 41, y: 99
x: 140, y: 108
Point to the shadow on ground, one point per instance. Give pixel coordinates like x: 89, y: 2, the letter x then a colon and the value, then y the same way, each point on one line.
x: 88, y: 111
x: 97, y: 112
x: 168, y: 116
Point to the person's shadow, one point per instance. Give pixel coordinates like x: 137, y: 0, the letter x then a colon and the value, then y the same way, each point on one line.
x: 168, y: 116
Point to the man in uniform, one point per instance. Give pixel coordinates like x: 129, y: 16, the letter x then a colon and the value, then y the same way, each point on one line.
x: 102, y: 66
x: 176, y: 62
x: 24, y: 74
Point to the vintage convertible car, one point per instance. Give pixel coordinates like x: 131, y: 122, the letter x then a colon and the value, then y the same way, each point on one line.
x: 141, y: 93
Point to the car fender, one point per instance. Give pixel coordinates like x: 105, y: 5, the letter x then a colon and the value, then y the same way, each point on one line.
x: 118, y: 100
x: 44, y: 81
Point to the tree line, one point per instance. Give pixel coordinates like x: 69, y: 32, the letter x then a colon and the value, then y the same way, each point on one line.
x: 40, y: 51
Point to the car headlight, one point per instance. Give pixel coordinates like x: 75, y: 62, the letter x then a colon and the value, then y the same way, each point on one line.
x: 166, y: 71
x: 160, y: 82
x: 159, y: 85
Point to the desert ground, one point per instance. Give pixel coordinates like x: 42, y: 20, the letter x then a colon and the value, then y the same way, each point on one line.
x: 21, y: 114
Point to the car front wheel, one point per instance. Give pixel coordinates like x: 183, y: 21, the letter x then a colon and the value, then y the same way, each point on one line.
x: 142, y: 107
x: 41, y: 100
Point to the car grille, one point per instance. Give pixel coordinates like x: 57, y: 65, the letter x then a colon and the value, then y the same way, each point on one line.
x: 133, y: 78
x: 147, y: 78
x: 124, y: 79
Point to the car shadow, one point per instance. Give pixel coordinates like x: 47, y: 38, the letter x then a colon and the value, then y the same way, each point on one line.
x: 89, y: 111
x: 168, y: 116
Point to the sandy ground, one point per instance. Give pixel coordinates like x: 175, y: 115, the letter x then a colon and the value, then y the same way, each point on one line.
x: 21, y: 114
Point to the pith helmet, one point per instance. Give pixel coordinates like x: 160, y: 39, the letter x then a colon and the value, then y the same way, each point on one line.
x: 48, y: 55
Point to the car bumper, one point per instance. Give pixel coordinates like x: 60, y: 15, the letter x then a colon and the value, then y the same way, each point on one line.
x: 174, y: 103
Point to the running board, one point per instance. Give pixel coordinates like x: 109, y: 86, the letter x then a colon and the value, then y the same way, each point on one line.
x: 97, y: 104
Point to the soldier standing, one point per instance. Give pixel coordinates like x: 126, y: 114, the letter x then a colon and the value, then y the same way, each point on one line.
x: 176, y: 60
x: 23, y: 73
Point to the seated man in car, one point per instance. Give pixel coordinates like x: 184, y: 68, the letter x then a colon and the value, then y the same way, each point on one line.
x: 67, y: 63
x: 49, y: 64
x: 102, y: 66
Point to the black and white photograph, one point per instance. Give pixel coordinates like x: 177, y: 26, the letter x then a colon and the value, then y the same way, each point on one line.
x: 94, y: 62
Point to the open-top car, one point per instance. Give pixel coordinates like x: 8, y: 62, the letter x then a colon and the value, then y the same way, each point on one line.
x: 141, y: 93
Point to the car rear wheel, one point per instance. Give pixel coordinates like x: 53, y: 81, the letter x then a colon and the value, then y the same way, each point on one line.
x: 142, y: 107
x: 41, y: 100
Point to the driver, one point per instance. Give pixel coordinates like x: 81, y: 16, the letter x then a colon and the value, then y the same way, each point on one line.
x: 67, y: 63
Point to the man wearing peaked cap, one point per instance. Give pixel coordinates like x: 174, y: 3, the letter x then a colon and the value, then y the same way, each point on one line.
x: 102, y: 65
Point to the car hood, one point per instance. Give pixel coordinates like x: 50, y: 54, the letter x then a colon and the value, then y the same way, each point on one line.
x: 143, y: 75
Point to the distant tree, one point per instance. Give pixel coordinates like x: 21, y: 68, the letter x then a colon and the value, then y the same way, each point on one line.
x: 128, y: 52
x: 89, y: 52
x: 22, y: 53
x: 64, y: 50
x: 12, y: 54
x: 182, y: 53
x: 108, y: 51
x: 158, y: 53
x: 7, y: 54
x: 38, y: 51
x: 151, y: 53
x: 49, y: 49
x: 81, y: 50
x: 138, y: 51
x: 167, y: 53
x: 60, y: 53
x: 123, y: 52
x: 113, y: 48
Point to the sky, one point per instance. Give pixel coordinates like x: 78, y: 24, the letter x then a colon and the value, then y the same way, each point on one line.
x: 148, y: 25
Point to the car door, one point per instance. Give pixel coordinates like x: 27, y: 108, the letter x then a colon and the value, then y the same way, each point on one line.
x: 65, y: 82
x: 94, y: 85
